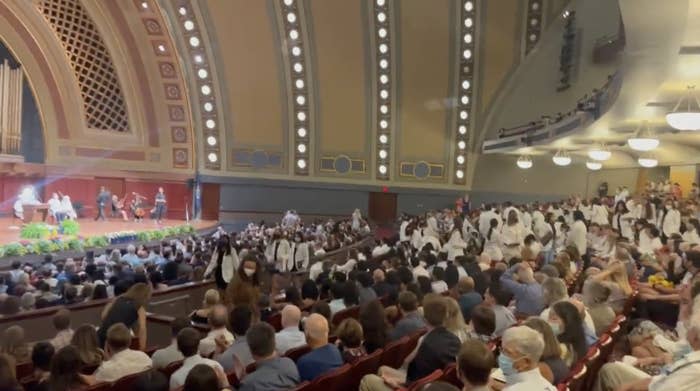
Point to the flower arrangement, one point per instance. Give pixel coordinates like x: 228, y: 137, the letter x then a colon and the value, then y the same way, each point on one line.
x: 49, y: 241
x: 70, y: 227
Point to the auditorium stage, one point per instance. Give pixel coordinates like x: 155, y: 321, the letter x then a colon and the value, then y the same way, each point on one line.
x: 10, y: 228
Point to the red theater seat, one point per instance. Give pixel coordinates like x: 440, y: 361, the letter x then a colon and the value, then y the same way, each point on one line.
x: 363, y: 366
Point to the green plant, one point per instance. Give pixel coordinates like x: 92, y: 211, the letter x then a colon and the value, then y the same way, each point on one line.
x: 14, y: 249
x: 45, y: 247
x: 97, y: 241
x: 74, y: 244
x: 34, y: 231
x: 143, y: 236
x: 70, y: 227
x: 157, y: 235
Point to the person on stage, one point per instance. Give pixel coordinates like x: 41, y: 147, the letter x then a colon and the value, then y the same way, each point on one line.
x: 118, y: 207
x: 102, y: 200
x: 67, y: 209
x: 55, y: 208
x: 160, y: 206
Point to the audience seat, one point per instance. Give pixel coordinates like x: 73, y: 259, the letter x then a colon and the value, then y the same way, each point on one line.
x: 104, y: 386
x: 250, y: 368
x: 171, y: 368
x: 232, y: 378
x: 295, y: 353
x: 450, y: 376
x: 351, y: 312
x: 333, y: 379
x: 24, y: 369
x: 275, y: 320
x: 392, y: 355
x: 365, y: 365
x: 304, y: 386
x: 126, y: 383
x: 576, y: 380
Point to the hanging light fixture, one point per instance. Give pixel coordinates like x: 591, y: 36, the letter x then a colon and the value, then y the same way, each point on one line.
x: 594, y: 165
x: 524, y: 162
x: 643, y: 139
x: 647, y: 161
x: 600, y: 153
x: 561, y: 158
x: 686, y: 114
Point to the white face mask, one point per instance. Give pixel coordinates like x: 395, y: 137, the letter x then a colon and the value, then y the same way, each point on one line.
x: 248, y: 272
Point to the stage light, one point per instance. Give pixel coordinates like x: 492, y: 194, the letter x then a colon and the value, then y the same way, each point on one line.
x: 198, y: 59
x: 466, y: 84
x: 463, y: 114
x: 299, y: 83
x: 464, y: 99
x: 301, y: 148
x: 210, y: 123
x: 382, y: 169
x: 383, y: 63
x: 384, y: 109
x: 208, y: 106
x: 600, y: 153
x: 467, y: 38
x: 468, y: 22
x: 301, y: 132
x: 296, y: 50
x: 383, y: 79
x: 384, y: 94
x: 383, y: 124
x: 468, y: 6
x: 293, y: 34
x: 467, y: 54
x: 213, y: 157
x: 461, y: 144
x: 383, y: 48
x: 301, y: 116
x: 189, y: 25
x: 460, y: 159
x: 524, y: 162
x: 206, y: 90
x: 462, y: 129
x: 301, y: 163
x: 383, y: 154
x: 647, y: 161
x: 144, y: 5
x: 381, y: 17
x: 298, y: 67
x: 301, y: 100
x: 288, y: 2
x: 182, y: 11
x: 291, y: 17
x: 380, y: 3
x: 460, y: 174
x: 161, y: 48
x: 382, y: 33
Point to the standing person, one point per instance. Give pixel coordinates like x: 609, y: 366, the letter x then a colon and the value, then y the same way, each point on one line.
x: 512, y: 236
x: 299, y: 253
x: 128, y: 308
x: 103, y: 198
x: 244, y: 287
x: 669, y: 220
x: 578, y: 233
x: 160, y: 205
x: 224, y: 262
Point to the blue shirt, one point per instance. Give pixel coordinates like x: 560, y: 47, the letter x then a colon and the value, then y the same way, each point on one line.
x: 132, y: 259
x: 528, y: 297
x: 277, y: 373
x: 467, y: 302
x: 319, y: 361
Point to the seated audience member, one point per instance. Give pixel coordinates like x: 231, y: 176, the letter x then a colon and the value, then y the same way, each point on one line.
x: 121, y: 360
x: 349, y: 342
x: 272, y: 372
x: 217, y: 321
x: 202, y: 377
x: 64, y: 333
x: 468, y: 298
x: 381, y: 287
x: 455, y: 321
x: 474, y: 363
x: 497, y: 299
x: 290, y: 336
x: 324, y: 356
x: 411, y: 320
x: 27, y: 302
x: 151, y: 381
x: 519, y: 360
x: 438, y: 284
x: 201, y: 316
x: 375, y: 327
x: 615, y: 277
x: 65, y: 371
x: 526, y: 291
x: 321, y: 307
x: 10, y: 306
x: 163, y: 357
x: 365, y: 291
x: 596, y: 301
x: 337, y: 302
x: 13, y: 344
x: 85, y: 340
x: 435, y: 350
x: 42, y: 353
x: 552, y: 367
x: 8, y: 376
x: 188, y: 344
x: 566, y: 324
x: 483, y: 323
x: 237, y: 355
x: 682, y: 374
x: 553, y: 291
x: 309, y: 293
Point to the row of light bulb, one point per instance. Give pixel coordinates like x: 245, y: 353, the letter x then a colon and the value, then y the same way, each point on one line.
x: 562, y: 159
x: 383, y: 76
x: 466, y: 90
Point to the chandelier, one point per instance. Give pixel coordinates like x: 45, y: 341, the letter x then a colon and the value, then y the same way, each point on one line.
x: 561, y: 158
x: 643, y: 140
x: 686, y: 114
x: 524, y: 162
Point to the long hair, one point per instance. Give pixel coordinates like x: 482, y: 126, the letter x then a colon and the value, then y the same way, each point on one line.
x: 572, y: 332
x: 65, y: 369
x: 255, y: 278
x: 13, y: 343
x: 8, y: 376
x: 374, y: 325
x: 454, y: 320
x: 86, y: 342
x: 623, y: 205
x: 140, y: 293
x: 493, y: 224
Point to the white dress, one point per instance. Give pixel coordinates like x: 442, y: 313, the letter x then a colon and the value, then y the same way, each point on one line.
x: 512, y: 234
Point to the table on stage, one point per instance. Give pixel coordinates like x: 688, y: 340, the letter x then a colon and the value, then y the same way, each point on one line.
x: 31, y: 210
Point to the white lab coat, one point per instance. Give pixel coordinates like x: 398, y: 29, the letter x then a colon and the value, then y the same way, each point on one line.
x: 485, y: 222
x: 623, y: 223
x: 578, y: 236
x: 599, y: 215
x: 281, y: 262
x: 492, y: 246
x: 403, y: 237
x: 671, y: 224
x: 229, y: 265
x: 512, y: 234
x: 299, y: 256
x: 432, y: 229
x: 455, y: 246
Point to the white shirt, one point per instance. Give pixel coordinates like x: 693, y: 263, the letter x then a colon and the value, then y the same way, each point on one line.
x: 289, y: 338
x: 578, y: 236
x: 315, y: 270
x: 530, y: 381
x: 647, y: 244
x: 178, y: 377
x: 420, y: 271
x: 683, y: 375
x: 54, y: 205
x: 378, y: 251
x: 207, y: 345
x: 455, y: 246
x: 485, y: 221
x: 671, y: 224
x: 691, y: 236
x: 599, y: 215
x: 402, y: 231
x: 166, y: 356
x: 124, y: 363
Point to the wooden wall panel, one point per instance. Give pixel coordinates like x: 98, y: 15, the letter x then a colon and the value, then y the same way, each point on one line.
x: 250, y: 54
x: 424, y: 72
x: 341, y: 75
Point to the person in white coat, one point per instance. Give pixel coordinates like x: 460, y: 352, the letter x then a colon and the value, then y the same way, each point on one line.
x: 432, y: 228
x: 356, y: 219
x: 55, y: 208
x: 669, y: 220
x: 691, y: 232
x: 224, y: 262
x: 455, y: 245
x: 403, y: 236
x: 622, y: 220
x: 67, y: 208
x: 512, y: 236
x: 485, y: 218
x: 599, y: 213
x: 299, y: 259
x: 578, y: 233
x: 277, y: 252
x: 492, y: 244
x: 544, y: 232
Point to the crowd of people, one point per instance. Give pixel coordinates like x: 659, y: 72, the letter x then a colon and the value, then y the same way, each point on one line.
x: 499, y: 275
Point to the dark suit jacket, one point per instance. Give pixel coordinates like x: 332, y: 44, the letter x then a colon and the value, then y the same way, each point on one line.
x: 439, y: 348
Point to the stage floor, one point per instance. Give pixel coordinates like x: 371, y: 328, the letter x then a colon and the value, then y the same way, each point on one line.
x: 90, y: 227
